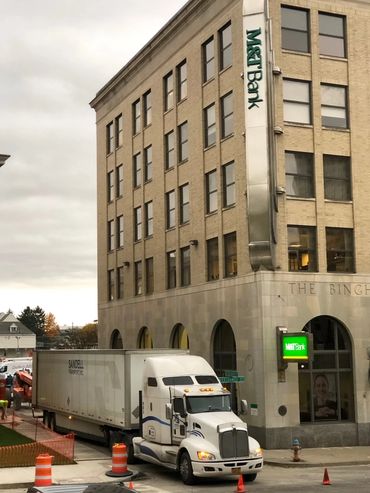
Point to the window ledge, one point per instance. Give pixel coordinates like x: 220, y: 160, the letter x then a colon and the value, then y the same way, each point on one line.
x: 333, y: 57
x: 225, y: 69
x: 183, y: 161
x: 186, y: 223
x: 299, y: 125
x: 337, y: 129
x: 147, y: 126
x: 210, y: 146
x: 227, y: 137
x: 206, y: 82
x: 148, y: 181
x: 168, y: 110
x: 167, y: 170
x: 227, y: 207
x: 119, y: 147
x: 212, y: 213
x: 149, y: 237
x: 334, y: 201
x: 294, y: 52
x: 136, y: 187
x: 182, y: 100
x: 305, y: 199
x: 172, y: 228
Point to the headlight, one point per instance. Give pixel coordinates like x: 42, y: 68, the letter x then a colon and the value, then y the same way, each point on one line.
x: 257, y: 452
x: 205, y: 455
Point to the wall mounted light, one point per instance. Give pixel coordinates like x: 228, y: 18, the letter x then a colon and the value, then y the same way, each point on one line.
x: 278, y: 130
x: 280, y: 190
x: 193, y: 242
x: 276, y: 70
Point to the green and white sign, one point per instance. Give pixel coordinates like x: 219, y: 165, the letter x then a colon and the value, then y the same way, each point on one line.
x: 295, y: 346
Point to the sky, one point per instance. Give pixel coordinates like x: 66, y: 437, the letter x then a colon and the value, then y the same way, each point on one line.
x: 55, y: 55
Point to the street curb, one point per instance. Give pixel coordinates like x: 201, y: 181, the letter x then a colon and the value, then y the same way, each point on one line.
x: 13, y: 486
x: 303, y: 463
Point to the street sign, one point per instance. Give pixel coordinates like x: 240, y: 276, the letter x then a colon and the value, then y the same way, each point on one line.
x: 232, y: 379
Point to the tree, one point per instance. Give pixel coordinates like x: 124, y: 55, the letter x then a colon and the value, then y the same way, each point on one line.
x: 84, y: 338
x: 34, y: 319
x: 51, y: 329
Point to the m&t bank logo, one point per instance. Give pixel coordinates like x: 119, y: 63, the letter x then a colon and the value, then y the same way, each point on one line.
x: 255, y: 74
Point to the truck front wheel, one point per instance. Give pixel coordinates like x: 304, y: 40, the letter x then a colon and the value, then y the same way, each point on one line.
x: 186, y: 469
x: 248, y: 478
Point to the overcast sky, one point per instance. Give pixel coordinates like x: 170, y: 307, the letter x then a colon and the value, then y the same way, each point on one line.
x: 55, y: 55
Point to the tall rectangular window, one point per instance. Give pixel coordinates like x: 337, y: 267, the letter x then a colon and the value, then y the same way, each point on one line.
x: 332, y: 35
x: 171, y: 270
x: 334, y: 106
x: 110, y: 186
x: 299, y: 174
x: 136, y: 172
x: 110, y: 236
x: 208, y: 57
x: 148, y: 165
x: 138, y: 278
x: 138, y: 223
x: 119, y: 181
x: 297, y: 101
x: 168, y: 91
x: 119, y: 130
x: 294, y: 29
x: 340, y: 250
x: 185, y: 266
x: 147, y: 100
x: 302, y: 250
x: 120, y: 233
x: 227, y: 115
x: 183, y: 141
x: 149, y: 219
x: 149, y: 276
x: 230, y: 255
x: 110, y: 137
x: 110, y: 285
x: 170, y: 209
x: 120, y: 283
x: 182, y: 81
x: 337, y: 177
x: 184, y: 204
x: 213, y: 272
x: 228, y: 184
x: 211, y: 192
x: 226, y: 52
x: 209, y: 125
x: 169, y: 149
x: 136, y: 117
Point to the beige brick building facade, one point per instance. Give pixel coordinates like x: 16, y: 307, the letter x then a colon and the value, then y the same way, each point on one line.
x: 233, y: 188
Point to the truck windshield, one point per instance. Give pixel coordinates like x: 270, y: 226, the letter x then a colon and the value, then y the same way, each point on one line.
x: 207, y: 404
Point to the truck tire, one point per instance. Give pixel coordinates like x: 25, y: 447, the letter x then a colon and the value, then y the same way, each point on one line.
x: 45, y: 418
x: 51, y: 421
x: 186, y: 469
x: 248, y: 478
x: 127, y: 440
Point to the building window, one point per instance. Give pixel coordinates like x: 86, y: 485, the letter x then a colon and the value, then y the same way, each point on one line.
x: 334, y: 106
x: 228, y: 181
x: 209, y: 125
x: 297, y: 101
x: 299, y: 174
x: 147, y: 100
x: 170, y: 208
x: 136, y: 117
x: 136, y: 165
x: 110, y: 138
x: 332, y: 35
x: 183, y: 141
x: 149, y: 219
x: 208, y: 54
x: 339, y: 250
x: 138, y: 222
x: 110, y: 186
x: 169, y: 149
x: 120, y: 234
x: 119, y: 130
x: 302, y: 248
x: 119, y: 181
x: 171, y: 270
x: 337, y: 177
x: 110, y: 236
x: 185, y: 266
x: 213, y: 271
x: 227, y: 115
x: 145, y: 340
x: 211, y: 192
x: 184, y: 204
x: 111, y: 285
x: 148, y: 167
x: 149, y: 276
x: 182, y: 81
x: 138, y: 278
x: 294, y: 29
x: 119, y: 283
x: 230, y: 255
x: 226, y: 52
x: 168, y: 91
x: 326, y: 381
x: 180, y: 337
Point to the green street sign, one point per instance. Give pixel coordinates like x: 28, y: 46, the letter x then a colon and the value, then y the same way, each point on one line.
x: 232, y: 379
x: 295, y: 346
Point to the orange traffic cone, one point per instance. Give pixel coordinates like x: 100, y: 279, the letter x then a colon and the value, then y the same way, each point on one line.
x: 241, y: 488
x: 131, y: 485
x: 326, y: 480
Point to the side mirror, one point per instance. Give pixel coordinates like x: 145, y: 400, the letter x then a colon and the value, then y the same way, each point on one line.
x: 243, y: 406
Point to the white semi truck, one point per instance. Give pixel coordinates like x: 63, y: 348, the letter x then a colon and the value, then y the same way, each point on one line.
x: 167, y: 406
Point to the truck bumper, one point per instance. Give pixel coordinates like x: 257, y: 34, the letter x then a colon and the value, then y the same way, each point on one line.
x: 227, y: 467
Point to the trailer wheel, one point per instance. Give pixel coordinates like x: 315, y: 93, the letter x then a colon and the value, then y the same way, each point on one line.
x: 51, y: 421
x: 127, y: 440
x: 186, y: 469
x: 248, y: 478
x: 45, y: 418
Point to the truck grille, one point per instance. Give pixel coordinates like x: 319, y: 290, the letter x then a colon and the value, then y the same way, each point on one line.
x: 234, y: 443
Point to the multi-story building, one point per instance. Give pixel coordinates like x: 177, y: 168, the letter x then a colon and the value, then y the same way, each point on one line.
x: 233, y: 188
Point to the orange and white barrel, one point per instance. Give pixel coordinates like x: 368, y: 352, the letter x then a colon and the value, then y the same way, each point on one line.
x: 119, y: 461
x: 43, y: 470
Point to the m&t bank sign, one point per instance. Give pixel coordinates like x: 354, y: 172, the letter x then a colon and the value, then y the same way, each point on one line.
x: 254, y: 52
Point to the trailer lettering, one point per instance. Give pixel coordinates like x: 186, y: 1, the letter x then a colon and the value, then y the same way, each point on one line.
x: 76, y: 366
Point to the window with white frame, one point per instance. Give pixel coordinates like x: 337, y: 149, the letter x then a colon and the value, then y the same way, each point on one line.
x: 208, y: 54
x: 136, y: 117
x: 136, y: 164
x: 182, y: 81
x: 120, y: 232
x: 137, y: 224
x: 119, y: 130
x: 149, y: 219
x: 228, y: 182
x: 334, y: 106
x: 184, y: 204
x: 209, y: 125
x: 110, y: 235
x: 183, y: 142
x: 147, y: 100
x: 170, y: 209
x: 332, y: 35
x: 110, y: 186
x: 225, y: 43
x: 227, y: 115
x: 168, y: 91
x: 211, y: 191
x: 148, y: 165
x: 297, y: 101
x: 169, y: 149
x: 119, y: 181
x: 110, y: 137
x: 294, y: 29
x: 299, y: 174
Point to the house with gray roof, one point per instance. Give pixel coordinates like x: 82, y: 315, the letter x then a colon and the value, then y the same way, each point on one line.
x: 15, y: 338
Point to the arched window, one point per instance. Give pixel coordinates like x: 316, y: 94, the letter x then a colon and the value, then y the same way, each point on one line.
x: 145, y: 340
x: 326, y: 382
x: 180, y: 337
x: 116, y: 340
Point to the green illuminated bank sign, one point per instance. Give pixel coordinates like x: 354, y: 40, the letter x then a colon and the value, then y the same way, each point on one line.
x: 295, y: 347
x: 255, y: 67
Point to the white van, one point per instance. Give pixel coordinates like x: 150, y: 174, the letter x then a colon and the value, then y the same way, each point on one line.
x: 9, y: 366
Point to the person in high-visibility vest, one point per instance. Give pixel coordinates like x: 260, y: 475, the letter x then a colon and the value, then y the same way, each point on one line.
x: 3, y: 408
